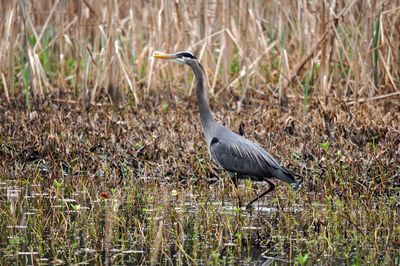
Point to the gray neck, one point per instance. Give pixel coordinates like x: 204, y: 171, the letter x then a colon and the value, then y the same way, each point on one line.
x: 202, y: 99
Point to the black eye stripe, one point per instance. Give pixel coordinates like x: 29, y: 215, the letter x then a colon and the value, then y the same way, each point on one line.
x: 186, y: 54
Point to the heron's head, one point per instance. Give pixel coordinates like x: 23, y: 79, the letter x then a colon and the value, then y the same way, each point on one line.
x: 184, y: 57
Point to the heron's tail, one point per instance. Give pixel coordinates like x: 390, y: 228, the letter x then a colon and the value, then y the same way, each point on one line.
x: 286, y: 176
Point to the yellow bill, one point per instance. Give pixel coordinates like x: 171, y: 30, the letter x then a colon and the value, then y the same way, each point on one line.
x: 162, y: 55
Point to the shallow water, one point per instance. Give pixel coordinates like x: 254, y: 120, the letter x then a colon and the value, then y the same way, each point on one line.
x: 29, y: 206
x: 58, y: 224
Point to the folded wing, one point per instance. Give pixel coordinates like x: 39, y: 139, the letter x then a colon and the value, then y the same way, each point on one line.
x: 240, y: 155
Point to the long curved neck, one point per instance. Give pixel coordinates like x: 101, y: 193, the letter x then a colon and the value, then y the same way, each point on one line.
x: 202, y: 99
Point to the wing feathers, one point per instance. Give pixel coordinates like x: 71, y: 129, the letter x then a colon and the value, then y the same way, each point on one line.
x: 253, y: 152
x: 243, y: 156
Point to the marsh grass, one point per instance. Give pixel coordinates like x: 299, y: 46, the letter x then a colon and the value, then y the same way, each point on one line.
x: 135, y: 185
x: 87, y: 180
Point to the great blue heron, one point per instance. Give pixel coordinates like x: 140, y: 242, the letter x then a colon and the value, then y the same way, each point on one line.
x: 239, y: 156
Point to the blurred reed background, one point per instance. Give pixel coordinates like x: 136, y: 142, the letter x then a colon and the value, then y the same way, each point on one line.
x: 323, y: 50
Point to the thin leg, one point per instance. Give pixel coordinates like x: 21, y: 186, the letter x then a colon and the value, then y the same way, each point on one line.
x: 271, y: 187
x: 235, y: 180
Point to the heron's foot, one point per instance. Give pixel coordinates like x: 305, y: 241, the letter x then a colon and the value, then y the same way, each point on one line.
x: 249, y: 207
x: 240, y: 202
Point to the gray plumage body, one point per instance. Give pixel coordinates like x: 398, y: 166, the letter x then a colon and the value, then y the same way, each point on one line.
x: 237, y: 154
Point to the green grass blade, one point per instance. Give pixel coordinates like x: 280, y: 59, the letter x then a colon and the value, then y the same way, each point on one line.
x: 376, y: 52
